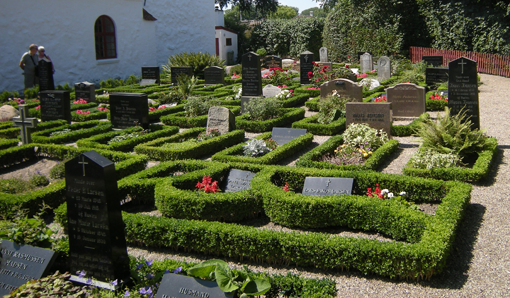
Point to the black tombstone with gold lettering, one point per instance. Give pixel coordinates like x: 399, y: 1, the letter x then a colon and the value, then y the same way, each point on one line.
x: 97, y: 244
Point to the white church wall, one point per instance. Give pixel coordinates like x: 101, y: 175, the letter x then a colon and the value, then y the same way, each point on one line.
x: 183, y: 26
x: 66, y: 29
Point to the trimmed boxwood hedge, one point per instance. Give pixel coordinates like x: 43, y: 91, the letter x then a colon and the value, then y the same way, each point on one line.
x: 309, y: 160
x: 79, y: 131
x: 54, y: 194
x: 409, y: 129
x: 154, y: 150
x: 8, y: 143
x: 310, y: 92
x: 14, y: 132
x: 180, y: 119
x: 235, y: 153
x: 419, y: 260
x: 101, y: 141
x: 95, y: 114
x: 479, y: 170
x: 312, y: 126
x: 313, y: 104
x: 74, y: 106
x: 288, y: 116
x: 295, y: 100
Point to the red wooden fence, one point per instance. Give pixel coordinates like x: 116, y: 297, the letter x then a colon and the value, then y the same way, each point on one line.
x: 487, y: 63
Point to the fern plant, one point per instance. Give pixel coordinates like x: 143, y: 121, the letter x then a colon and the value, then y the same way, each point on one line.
x: 451, y: 134
x: 197, y: 61
x: 185, y: 85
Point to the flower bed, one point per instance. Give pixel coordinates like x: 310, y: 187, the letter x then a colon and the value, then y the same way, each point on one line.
x: 310, y: 159
x: 77, y: 131
x: 235, y: 153
x: 54, y: 194
x: 288, y: 116
x: 180, y: 119
x: 179, y: 150
x: 312, y: 126
x: 101, y: 141
x: 479, y: 170
x: 430, y: 237
x: 434, y: 102
x: 88, y: 114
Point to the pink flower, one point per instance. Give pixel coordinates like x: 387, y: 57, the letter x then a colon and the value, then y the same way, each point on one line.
x: 81, y: 100
x: 38, y: 107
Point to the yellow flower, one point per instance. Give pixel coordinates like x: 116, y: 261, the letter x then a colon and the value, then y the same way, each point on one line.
x: 365, y: 154
x: 370, y: 152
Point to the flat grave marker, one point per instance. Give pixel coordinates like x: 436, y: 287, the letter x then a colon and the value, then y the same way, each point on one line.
x: 283, y: 135
x: 327, y: 186
x: 408, y: 100
x: 55, y: 105
x: 238, y: 180
x: 343, y: 87
x: 85, y: 91
x: 435, y: 61
x: 175, y: 72
x: 21, y: 263
x: 97, y: 244
x: 214, y: 75
x: 251, y: 78
x: 129, y: 109
x: 305, y: 66
x: 180, y: 286
x: 222, y: 119
x: 463, y: 89
x: 24, y: 123
x: 376, y: 115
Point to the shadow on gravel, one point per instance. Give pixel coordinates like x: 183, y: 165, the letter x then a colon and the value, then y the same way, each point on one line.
x: 296, y: 156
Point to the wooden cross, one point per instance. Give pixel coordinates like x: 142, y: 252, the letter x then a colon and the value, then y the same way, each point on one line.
x: 462, y: 63
x: 83, y: 163
x: 24, y: 123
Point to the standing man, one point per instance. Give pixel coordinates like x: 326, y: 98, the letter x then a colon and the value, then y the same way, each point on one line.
x: 28, y: 63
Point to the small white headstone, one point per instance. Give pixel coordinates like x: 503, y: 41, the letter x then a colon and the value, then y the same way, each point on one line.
x: 366, y: 63
x: 373, y: 83
x: 270, y: 91
x: 323, y: 54
x: 383, y: 68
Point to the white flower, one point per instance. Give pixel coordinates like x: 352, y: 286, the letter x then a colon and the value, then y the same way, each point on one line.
x: 403, y: 193
x: 384, y: 191
x: 390, y: 195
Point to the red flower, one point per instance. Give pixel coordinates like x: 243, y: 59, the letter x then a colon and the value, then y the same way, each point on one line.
x: 346, y: 65
x: 310, y: 75
x: 286, y: 187
x: 38, y: 107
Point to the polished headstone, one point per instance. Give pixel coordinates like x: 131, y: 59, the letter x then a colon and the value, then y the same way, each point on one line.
x: 55, y: 105
x: 45, y: 70
x: 85, y: 91
x: 251, y: 78
x: 214, y: 75
x: 305, y: 66
x: 129, y: 109
x: 435, y: 75
x: 435, y: 61
x: 272, y: 62
x: 175, y: 72
x: 179, y: 286
x: 151, y: 73
x: 463, y: 89
x: 327, y: 186
x: 238, y: 180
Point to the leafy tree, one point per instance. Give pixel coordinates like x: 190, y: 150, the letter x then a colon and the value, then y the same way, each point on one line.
x: 283, y: 12
x: 263, y: 6
x: 317, y: 12
x: 235, y: 14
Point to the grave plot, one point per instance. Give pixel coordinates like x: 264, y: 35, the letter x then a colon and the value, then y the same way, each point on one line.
x: 284, y: 117
x: 71, y: 132
x: 182, y: 119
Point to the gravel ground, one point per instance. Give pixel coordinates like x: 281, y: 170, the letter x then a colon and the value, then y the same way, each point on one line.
x: 479, y: 265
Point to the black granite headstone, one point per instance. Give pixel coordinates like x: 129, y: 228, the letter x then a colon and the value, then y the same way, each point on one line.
x: 45, y: 69
x: 238, y: 180
x: 151, y: 73
x: 180, y: 286
x: 21, y: 263
x: 55, y: 105
x: 306, y: 66
x: 434, y: 75
x: 463, y: 89
x: 284, y: 135
x: 435, y: 61
x: 129, y: 109
x: 272, y: 62
x: 326, y: 186
x: 97, y: 244
x: 85, y: 91
x: 175, y: 72
x: 214, y: 75
x: 251, y: 78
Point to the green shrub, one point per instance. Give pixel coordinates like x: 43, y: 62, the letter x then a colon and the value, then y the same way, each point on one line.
x: 39, y: 180
x: 287, y: 117
x: 262, y: 109
x: 198, y: 106
x: 197, y: 61
x: 429, y: 159
x: 331, y: 108
x: 185, y: 85
x: 255, y: 147
x: 360, y: 134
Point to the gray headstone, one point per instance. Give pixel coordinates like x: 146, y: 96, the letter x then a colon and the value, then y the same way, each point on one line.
x: 24, y: 123
x: 238, y: 180
x: 366, y: 63
x: 180, y: 286
x: 151, y: 73
x: 85, y: 91
x: 7, y: 112
x: 383, y: 68
x: 343, y: 87
x: 327, y: 186
x: 284, y: 135
x: 323, y: 52
x: 97, y: 243
x: 306, y: 66
x: 408, y: 100
x: 376, y: 115
x: 251, y: 79
x: 361, y: 53
x: 463, y: 89
x: 222, y: 119
x: 270, y: 91
x: 22, y: 263
x: 214, y: 75
x: 175, y: 72
x: 435, y: 61
x: 145, y: 82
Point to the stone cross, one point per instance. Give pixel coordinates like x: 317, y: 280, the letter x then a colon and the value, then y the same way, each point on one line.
x: 24, y: 123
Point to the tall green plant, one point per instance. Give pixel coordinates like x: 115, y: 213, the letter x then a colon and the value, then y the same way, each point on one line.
x: 185, y: 85
x: 262, y: 109
x: 197, y: 106
x: 197, y: 61
x: 451, y: 134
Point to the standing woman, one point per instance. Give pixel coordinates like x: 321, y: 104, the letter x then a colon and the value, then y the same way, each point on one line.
x: 28, y: 63
x: 48, y: 68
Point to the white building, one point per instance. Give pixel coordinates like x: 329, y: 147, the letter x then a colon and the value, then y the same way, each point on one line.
x: 226, y: 40
x: 98, y: 39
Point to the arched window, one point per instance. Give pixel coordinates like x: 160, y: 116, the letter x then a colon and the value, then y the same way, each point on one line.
x: 104, y: 32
